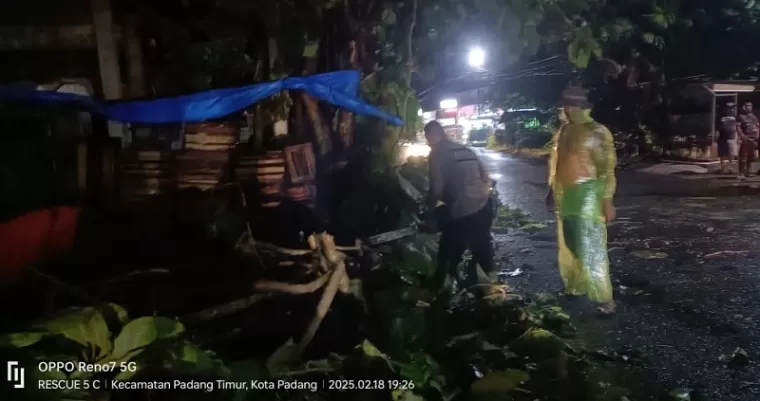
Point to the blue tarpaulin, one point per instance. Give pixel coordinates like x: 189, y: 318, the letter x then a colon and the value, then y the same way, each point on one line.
x: 339, y: 88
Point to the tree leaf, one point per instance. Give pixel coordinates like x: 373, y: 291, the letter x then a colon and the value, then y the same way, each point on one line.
x: 388, y: 17
x: 21, y: 340
x: 680, y: 394
x: 582, y: 58
x: 371, y: 351
x: 572, y: 49
x: 539, y: 342
x: 283, y: 358
x: 659, y: 18
x: 141, y: 332
x: 476, y: 336
x: 621, y: 27
x: 405, y: 395
x: 192, y: 360
x: 499, y: 382
x: 412, y: 120
x: 596, y: 50
x: 311, y: 49
x: 121, y: 313
x: 85, y: 326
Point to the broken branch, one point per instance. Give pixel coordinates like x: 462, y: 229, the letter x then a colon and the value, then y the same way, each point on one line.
x: 226, y: 309
x: 324, y: 306
x: 128, y: 276
x: 714, y: 254
x: 248, y: 244
x: 277, y: 286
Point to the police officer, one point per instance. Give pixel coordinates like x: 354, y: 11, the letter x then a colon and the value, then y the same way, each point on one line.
x: 459, y: 181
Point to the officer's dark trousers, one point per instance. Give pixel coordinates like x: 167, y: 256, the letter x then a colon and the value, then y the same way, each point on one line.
x: 471, y: 232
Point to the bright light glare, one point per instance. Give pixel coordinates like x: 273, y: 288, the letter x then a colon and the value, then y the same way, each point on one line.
x: 449, y: 104
x: 495, y: 155
x: 477, y: 57
x: 415, y: 150
x: 419, y: 112
x: 495, y: 176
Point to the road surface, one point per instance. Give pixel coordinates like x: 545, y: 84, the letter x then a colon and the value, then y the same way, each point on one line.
x: 686, y: 277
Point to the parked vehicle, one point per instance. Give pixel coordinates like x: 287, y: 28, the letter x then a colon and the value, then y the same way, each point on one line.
x: 478, y: 137
x: 455, y: 133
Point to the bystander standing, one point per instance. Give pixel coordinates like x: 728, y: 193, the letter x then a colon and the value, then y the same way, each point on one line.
x: 749, y: 135
x: 728, y: 146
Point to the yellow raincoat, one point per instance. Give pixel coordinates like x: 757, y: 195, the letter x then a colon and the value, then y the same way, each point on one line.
x: 582, y: 177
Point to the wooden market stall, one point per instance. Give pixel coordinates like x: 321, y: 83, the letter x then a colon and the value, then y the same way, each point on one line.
x: 191, y: 147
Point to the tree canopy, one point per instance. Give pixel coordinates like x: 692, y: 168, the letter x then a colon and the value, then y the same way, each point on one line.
x: 404, y: 48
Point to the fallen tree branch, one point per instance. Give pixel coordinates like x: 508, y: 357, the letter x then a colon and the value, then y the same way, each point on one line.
x: 324, y: 306
x: 345, y: 284
x: 247, y: 244
x: 325, y: 244
x: 288, y: 288
x: 226, y: 309
x: 128, y: 276
x: 714, y: 254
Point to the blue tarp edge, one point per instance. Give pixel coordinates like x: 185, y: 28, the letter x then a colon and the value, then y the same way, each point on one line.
x: 339, y: 88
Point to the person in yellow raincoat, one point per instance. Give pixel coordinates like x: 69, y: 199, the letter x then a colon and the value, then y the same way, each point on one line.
x: 582, y: 186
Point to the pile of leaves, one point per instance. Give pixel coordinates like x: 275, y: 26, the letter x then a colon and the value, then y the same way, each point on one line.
x: 500, y: 344
x: 514, y: 218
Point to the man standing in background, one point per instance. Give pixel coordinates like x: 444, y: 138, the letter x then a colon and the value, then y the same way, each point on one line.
x: 582, y: 184
x: 728, y: 146
x: 459, y: 181
x: 749, y: 134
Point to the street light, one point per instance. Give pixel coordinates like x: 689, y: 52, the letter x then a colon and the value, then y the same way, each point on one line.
x: 477, y: 57
x: 448, y: 104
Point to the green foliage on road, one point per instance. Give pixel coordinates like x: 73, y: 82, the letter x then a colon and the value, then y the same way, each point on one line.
x: 509, y: 217
x: 497, y: 344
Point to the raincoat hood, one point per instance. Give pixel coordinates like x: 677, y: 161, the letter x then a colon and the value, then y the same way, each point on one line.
x: 577, y: 115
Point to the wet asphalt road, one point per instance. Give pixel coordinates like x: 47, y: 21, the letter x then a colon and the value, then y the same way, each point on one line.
x: 686, y: 276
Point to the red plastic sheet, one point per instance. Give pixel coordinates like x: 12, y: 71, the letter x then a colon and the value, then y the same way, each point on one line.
x: 35, y: 237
